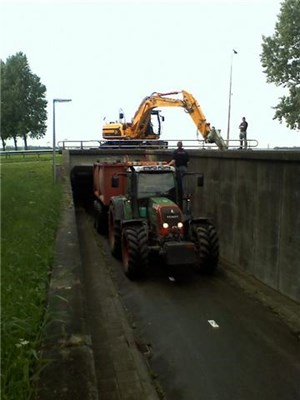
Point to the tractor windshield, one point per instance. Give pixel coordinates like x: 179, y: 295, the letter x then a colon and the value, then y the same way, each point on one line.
x: 155, y: 184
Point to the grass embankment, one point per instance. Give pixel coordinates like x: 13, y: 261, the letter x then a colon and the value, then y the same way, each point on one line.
x: 30, y: 211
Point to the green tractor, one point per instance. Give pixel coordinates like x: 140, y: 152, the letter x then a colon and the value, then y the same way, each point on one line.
x: 147, y: 212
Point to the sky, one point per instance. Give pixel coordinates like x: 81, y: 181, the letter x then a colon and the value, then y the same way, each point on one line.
x: 110, y: 55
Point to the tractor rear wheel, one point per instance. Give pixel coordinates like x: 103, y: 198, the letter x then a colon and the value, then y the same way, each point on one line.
x: 207, y: 246
x: 135, y: 252
x: 114, y: 235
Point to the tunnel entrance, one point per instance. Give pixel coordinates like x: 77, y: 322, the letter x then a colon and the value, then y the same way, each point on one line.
x: 81, y: 177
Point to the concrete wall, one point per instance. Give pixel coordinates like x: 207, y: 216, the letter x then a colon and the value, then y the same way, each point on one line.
x: 253, y: 198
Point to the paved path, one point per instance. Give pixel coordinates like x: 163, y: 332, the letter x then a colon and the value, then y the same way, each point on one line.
x: 88, y: 350
x: 121, y: 370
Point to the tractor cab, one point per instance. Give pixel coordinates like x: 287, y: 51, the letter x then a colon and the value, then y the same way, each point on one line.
x: 151, y: 181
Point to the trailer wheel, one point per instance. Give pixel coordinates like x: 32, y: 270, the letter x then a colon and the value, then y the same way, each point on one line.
x: 114, y: 236
x: 100, y: 222
x: 207, y: 246
x: 135, y: 253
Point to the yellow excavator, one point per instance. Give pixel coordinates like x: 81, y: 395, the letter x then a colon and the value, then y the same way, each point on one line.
x: 141, y: 127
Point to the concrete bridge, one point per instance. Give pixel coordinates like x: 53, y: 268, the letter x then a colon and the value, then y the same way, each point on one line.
x: 253, y: 197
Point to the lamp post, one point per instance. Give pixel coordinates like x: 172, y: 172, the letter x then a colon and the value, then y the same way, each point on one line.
x: 54, y: 134
x: 230, y: 94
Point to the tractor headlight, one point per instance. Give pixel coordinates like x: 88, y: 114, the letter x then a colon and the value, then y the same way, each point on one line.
x: 165, y: 225
x: 180, y: 225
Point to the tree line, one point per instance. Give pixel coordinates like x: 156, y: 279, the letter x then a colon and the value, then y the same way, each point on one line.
x: 280, y: 59
x: 23, y: 96
x: 23, y: 102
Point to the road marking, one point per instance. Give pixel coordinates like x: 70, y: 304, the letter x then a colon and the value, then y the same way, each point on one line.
x: 213, y: 323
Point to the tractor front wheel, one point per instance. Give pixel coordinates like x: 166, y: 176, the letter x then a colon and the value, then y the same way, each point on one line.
x: 207, y: 245
x: 135, y: 253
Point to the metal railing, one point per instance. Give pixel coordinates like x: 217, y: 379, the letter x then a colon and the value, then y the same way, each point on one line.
x: 24, y: 153
x: 79, y: 144
x: 102, y: 144
x: 136, y: 143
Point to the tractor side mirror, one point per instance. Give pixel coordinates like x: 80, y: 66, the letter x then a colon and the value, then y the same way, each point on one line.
x: 200, y: 180
x: 115, y: 181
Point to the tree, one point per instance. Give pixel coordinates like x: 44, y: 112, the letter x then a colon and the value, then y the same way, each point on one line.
x: 4, y: 111
x: 280, y: 59
x: 23, y: 103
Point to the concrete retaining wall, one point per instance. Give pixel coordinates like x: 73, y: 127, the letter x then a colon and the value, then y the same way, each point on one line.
x: 254, y: 199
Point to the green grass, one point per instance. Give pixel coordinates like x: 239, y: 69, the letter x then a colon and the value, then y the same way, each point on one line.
x: 30, y: 211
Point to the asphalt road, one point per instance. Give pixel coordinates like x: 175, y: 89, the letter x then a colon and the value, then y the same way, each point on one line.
x: 251, y: 354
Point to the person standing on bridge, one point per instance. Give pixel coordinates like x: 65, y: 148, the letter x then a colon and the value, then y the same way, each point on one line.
x: 243, y: 133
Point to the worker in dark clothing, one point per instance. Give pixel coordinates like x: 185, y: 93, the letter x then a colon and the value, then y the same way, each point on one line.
x: 243, y: 133
x: 180, y: 160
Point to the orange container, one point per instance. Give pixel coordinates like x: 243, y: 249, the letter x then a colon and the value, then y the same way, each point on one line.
x: 103, y: 173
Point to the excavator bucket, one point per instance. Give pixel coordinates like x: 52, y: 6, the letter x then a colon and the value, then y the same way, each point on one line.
x: 215, y: 137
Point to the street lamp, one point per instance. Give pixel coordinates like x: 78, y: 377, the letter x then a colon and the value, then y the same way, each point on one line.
x: 54, y: 134
x: 230, y: 94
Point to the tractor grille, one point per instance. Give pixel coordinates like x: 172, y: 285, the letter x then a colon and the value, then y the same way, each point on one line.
x: 171, y: 215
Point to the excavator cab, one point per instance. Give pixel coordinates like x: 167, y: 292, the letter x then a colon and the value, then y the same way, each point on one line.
x: 155, y: 123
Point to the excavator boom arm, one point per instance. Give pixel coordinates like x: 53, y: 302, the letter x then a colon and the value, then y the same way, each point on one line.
x: 188, y: 103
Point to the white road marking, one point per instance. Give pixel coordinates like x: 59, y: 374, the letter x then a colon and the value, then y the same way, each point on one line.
x: 213, y: 323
